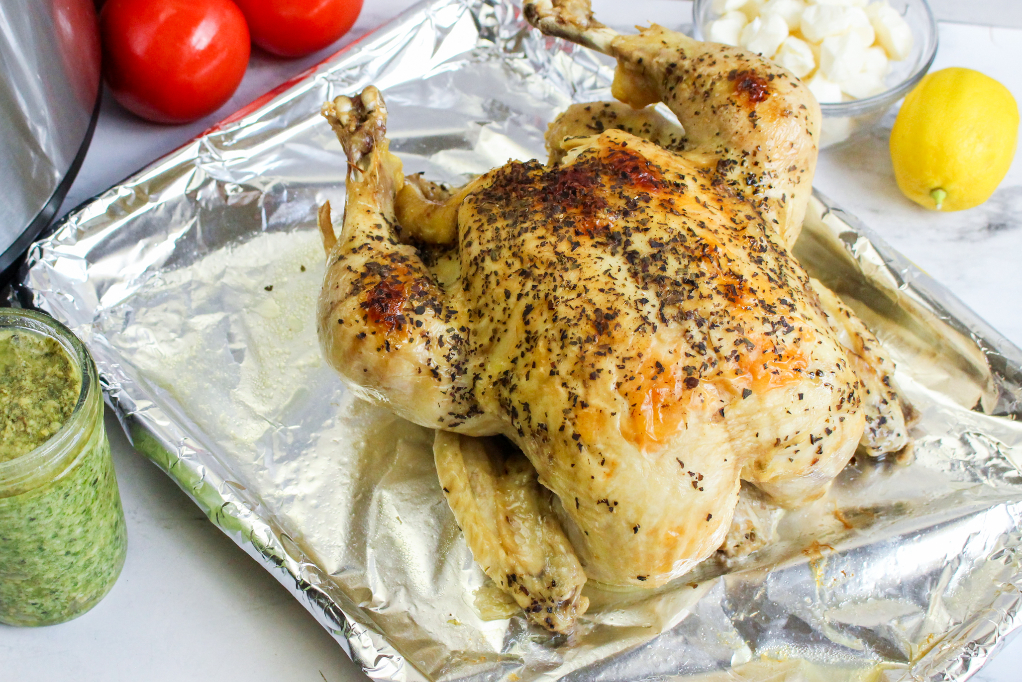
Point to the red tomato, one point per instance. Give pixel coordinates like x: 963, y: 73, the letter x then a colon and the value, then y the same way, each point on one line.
x: 295, y: 28
x: 173, y: 61
x: 77, y: 32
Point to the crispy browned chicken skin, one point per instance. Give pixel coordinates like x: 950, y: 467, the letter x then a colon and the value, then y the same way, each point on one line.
x: 630, y: 317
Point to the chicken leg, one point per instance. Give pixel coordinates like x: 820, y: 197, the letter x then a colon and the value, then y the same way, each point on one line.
x: 383, y: 321
x: 755, y: 123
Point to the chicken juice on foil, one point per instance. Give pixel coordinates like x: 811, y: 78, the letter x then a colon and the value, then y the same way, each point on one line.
x: 194, y: 285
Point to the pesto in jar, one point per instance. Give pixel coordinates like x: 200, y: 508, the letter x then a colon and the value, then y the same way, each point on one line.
x: 39, y: 389
x: 62, y: 530
x: 62, y: 544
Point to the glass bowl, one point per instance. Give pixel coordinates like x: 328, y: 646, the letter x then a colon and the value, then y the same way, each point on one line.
x: 843, y: 121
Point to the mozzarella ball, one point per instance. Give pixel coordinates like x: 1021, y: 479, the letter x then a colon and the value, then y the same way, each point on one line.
x: 841, y: 57
x: 876, y: 62
x: 725, y: 6
x: 861, y: 85
x: 752, y: 8
x: 791, y: 10
x: 823, y: 90
x: 796, y: 56
x: 860, y: 25
x: 892, y: 31
x: 764, y: 34
x: 727, y: 29
x: 822, y: 21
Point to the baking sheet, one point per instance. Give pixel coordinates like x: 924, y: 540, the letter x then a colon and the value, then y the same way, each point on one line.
x: 193, y: 283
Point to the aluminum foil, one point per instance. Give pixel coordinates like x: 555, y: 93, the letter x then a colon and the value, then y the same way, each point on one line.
x: 193, y: 284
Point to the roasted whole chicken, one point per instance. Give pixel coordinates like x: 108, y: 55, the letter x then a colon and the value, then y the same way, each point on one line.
x: 609, y: 344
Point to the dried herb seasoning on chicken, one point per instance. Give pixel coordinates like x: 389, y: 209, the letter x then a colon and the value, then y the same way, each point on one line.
x: 608, y: 345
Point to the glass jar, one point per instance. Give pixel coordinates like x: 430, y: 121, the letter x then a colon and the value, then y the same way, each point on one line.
x: 62, y: 532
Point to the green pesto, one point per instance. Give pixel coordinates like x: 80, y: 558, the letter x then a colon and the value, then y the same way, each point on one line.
x: 62, y: 544
x: 39, y: 387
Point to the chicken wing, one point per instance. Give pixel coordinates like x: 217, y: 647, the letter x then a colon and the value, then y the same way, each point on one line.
x: 510, y: 527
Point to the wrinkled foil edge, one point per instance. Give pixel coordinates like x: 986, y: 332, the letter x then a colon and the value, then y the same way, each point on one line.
x: 961, y: 653
x: 195, y: 471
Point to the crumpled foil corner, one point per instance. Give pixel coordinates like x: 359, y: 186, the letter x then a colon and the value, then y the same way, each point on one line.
x: 194, y: 283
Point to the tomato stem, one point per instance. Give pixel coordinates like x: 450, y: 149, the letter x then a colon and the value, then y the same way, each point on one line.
x: 939, y: 196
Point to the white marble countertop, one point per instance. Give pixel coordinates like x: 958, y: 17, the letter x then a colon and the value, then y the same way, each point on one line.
x: 191, y: 605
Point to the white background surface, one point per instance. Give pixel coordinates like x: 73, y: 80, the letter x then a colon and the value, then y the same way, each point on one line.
x: 190, y: 605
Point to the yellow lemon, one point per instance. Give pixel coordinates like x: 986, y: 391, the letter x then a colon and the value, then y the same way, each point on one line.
x: 954, y: 139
